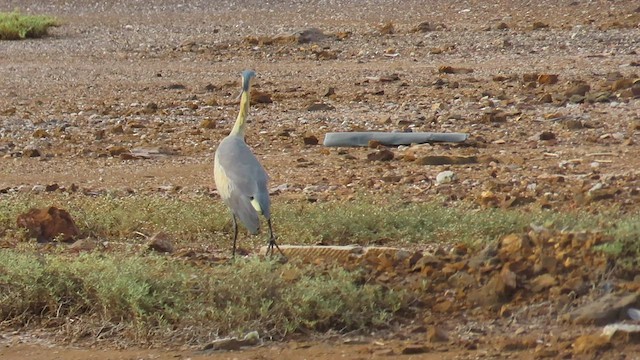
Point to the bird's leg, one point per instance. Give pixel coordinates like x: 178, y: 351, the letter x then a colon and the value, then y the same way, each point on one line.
x: 272, y: 241
x: 235, y: 234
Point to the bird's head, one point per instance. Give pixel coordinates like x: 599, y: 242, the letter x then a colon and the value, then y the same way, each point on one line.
x: 247, y: 77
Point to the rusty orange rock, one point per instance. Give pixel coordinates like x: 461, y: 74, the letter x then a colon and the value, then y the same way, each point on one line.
x: 48, y: 223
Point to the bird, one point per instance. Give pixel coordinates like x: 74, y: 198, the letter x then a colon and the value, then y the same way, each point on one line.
x: 240, y: 178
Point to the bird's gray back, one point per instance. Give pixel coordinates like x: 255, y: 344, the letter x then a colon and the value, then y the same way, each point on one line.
x: 244, y: 171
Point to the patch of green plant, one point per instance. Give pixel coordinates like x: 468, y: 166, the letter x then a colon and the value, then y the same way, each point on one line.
x: 16, y: 26
x: 205, y: 220
x: 152, y: 297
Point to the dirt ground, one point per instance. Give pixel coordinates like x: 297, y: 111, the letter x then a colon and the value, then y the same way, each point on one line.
x: 133, y: 96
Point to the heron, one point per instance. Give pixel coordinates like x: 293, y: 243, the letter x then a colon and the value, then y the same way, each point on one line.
x: 240, y: 178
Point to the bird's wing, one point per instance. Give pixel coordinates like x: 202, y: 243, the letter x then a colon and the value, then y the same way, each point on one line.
x: 247, y: 177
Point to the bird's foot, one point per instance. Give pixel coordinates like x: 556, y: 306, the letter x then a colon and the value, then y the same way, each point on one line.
x: 271, y: 251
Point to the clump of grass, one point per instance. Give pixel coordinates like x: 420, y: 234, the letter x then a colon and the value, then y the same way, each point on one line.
x: 153, y: 298
x: 205, y: 220
x: 16, y: 26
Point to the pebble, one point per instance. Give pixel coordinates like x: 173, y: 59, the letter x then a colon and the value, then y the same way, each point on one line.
x: 445, y: 177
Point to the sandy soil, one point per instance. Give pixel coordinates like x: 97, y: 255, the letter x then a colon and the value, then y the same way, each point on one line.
x: 120, y: 76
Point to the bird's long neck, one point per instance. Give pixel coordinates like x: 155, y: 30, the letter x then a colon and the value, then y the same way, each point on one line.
x: 241, y: 120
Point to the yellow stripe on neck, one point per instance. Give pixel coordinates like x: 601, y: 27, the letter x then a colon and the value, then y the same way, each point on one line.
x: 240, y: 125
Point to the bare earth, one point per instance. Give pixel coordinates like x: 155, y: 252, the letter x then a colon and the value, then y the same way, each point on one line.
x: 163, y: 76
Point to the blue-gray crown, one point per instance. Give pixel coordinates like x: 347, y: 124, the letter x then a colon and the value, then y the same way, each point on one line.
x: 247, y: 75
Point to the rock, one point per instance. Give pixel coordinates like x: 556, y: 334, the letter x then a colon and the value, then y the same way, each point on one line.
x: 38, y: 189
x: 437, y: 334
x: 580, y: 89
x: 386, y: 28
x: 546, y: 99
x: 588, y: 344
x: 118, y: 129
x: 83, y: 245
x: 250, y: 339
x: 446, y: 160
x: 517, y: 344
x: 47, y: 224
x: 461, y: 280
x: 208, y: 124
x: 414, y: 349
x: 310, y: 35
x: 547, y: 135
x: 381, y: 155
x: 320, y: 107
x: 260, y: 97
x: 605, y: 310
x: 576, y: 99
x: 502, y: 26
x: 547, y: 79
x: 117, y: 150
x: 445, y: 69
x: 31, y: 151
x: 445, y: 177
x: 622, y: 333
x: 494, y: 117
x: 622, y: 84
x: 543, y: 282
x: 424, y: 26
x: 175, y: 87
x: 539, y: 25
x: 310, y: 139
x: 161, y: 242
x: 330, y: 91
x: 150, y: 108
x: 325, y: 54
x: 40, y: 134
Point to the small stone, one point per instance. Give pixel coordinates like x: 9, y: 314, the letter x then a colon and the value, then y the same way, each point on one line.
x: 310, y: 139
x: 622, y: 84
x: 83, y: 245
x: 604, y: 310
x: 437, y: 334
x: 208, y: 124
x: 161, y: 242
x: 381, y: 155
x: 40, y: 134
x: 320, y: 107
x: 260, y: 97
x: 539, y: 25
x: 445, y: 177
x: 588, y: 344
x: 547, y: 135
x: 118, y: 129
x: 38, y: 189
x: 424, y: 26
x: 330, y: 91
x: 546, y: 99
x: 543, y: 282
x: 547, y: 79
x: 31, y: 151
x: 150, y: 108
x: 446, y: 160
x: 580, y: 89
x: 386, y: 28
x: 414, y: 349
x: 117, y: 150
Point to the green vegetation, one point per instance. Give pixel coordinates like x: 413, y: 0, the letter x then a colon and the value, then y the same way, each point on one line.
x: 149, y: 298
x: 146, y: 297
x: 205, y: 220
x: 16, y: 26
